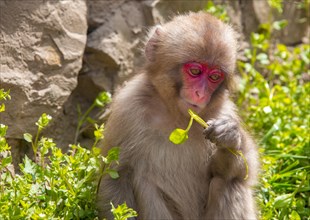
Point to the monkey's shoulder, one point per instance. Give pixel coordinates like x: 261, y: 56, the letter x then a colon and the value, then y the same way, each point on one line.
x: 137, y: 97
x: 135, y: 91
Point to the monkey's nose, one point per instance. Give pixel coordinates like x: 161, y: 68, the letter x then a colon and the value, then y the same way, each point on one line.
x: 200, y: 94
x: 197, y: 94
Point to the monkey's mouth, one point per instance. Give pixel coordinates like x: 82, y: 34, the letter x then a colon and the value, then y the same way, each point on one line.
x: 196, y: 107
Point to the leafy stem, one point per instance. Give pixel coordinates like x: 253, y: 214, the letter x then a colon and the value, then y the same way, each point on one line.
x: 101, y: 100
x: 189, y: 124
x: 197, y: 118
x: 179, y: 136
x: 41, y: 123
x: 82, y: 120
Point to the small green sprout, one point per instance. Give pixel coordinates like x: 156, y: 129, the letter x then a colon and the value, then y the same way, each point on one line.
x: 179, y: 136
x: 123, y: 212
x: 101, y: 100
x: 41, y: 123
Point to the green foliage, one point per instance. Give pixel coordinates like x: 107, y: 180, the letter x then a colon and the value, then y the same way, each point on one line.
x: 4, y: 96
x: 218, y: 11
x: 178, y: 136
x: 41, y: 123
x: 101, y: 100
x: 56, y: 185
x: 5, y: 154
x: 275, y: 100
x: 122, y: 212
x: 276, y: 4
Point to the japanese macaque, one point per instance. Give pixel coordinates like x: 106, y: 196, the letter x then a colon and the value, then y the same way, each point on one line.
x: 190, y: 64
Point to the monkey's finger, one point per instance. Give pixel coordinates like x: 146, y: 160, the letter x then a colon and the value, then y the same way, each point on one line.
x: 217, y: 129
x: 208, y: 130
x: 210, y: 124
x: 210, y: 134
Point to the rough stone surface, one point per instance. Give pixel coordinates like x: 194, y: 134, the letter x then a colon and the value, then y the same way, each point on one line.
x: 298, y: 23
x: 41, y: 46
x: 113, y: 47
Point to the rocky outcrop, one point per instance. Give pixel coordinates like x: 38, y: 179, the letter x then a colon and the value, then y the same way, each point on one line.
x: 113, y: 44
x: 42, y: 45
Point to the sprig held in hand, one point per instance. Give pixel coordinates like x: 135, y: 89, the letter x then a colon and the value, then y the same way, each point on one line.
x: 179, y: 136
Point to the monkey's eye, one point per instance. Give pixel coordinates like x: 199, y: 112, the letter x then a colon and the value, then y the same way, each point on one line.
x: 195, y: 71
x: 215, y: 76
x: 193, y: 68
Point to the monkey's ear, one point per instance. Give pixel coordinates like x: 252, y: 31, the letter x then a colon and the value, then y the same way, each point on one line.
x: 152, y: 43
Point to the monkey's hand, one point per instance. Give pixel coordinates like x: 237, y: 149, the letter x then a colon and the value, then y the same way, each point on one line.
x: 224, y: 132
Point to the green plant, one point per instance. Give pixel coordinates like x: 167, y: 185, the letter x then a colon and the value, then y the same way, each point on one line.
x: 122, y: 212
x: 5, y: 153
x: 56, y: 185
x: 275, y: 99
x: 218, y: 11
x: 101, y: 100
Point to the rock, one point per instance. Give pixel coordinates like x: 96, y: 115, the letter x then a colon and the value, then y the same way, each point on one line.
x: 99, y: 12
x: 111, y: 51
x: 298, y: 22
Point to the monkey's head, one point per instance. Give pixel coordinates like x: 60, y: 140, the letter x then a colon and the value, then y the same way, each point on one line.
x: 191, y: 59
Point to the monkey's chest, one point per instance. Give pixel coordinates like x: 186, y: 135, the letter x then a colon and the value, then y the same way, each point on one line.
x: 178, y: 173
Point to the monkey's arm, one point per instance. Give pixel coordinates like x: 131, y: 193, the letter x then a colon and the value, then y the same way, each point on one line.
x: 231, y: 175
x: 116, y: 191
x: 120, y: 190
x: 227, y: 132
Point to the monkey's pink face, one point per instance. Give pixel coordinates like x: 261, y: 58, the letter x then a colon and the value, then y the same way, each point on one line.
x: 199, y: 83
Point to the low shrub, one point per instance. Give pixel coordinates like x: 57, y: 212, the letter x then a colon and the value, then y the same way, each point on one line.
x: 55, y: 185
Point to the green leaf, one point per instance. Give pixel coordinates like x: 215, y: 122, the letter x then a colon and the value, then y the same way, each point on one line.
x: 4, y: 95
x: 43, y: 120
x: 295, y: 216
x: 122, y: 212
x: 98, y: 133
x: 279, y: 25
x: 90, y: 120
x: 28, y: 137
x: 102, y: 99
x: 178, y: 136
x: 267, y: 109
x: 29, y: 166
x: 6, y: 161
x: 113, y: 155
x: 276, y: 4
x: 96, y: 151
x: 3, y: 129
x: 282, y: 201
x: 2, y: 107
x: 113, y: 174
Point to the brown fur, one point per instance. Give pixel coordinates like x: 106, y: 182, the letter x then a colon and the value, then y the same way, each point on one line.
x: 199, y: 179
